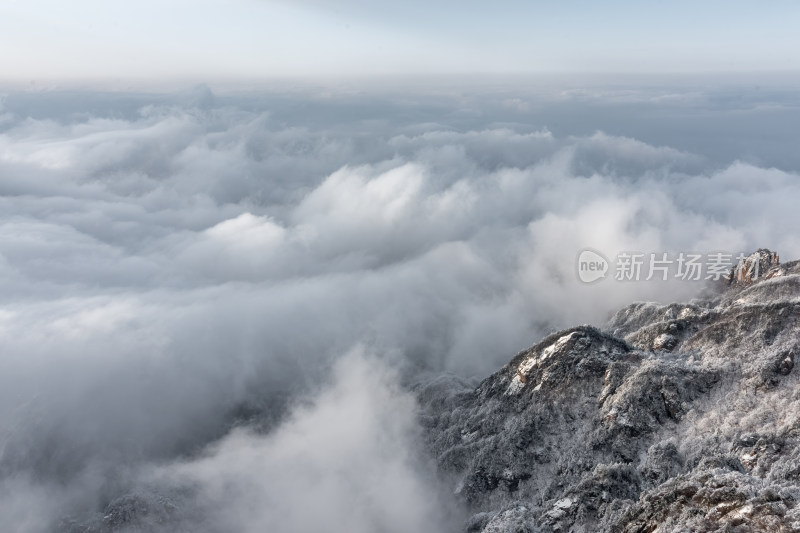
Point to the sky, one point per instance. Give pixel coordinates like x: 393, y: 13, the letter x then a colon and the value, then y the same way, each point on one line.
x: 209, y: 40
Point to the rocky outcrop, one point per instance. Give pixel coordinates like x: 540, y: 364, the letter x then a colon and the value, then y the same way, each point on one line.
x: 762, y: 263
x: 680, y: 417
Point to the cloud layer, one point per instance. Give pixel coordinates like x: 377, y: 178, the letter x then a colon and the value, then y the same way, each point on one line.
x: 174, y: 267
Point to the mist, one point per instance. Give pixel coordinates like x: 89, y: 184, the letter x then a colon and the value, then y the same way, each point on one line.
x: 220, y: 297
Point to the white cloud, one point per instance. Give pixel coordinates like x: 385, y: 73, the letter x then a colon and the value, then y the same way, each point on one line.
x: 166, y: 272
x: 350, y: 460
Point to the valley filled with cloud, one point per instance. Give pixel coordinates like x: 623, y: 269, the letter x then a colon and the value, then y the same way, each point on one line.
x: 218, y: 299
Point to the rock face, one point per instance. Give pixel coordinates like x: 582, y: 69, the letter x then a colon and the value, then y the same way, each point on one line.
x: 683, y: 417
x: 760, y: 264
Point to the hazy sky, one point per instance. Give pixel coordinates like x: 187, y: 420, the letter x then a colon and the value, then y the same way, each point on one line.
x: 209, y: 39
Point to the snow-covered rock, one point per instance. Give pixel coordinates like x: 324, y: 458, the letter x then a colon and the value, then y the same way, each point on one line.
x: 684, y: 417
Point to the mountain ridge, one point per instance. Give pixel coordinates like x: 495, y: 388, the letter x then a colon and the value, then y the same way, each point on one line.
x: 678, y: 417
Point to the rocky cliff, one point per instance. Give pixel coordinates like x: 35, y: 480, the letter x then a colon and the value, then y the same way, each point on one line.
x: 680, y: 417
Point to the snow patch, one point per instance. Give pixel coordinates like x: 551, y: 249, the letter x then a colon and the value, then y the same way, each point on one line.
x: 520, y: 378
x: 560, y: 508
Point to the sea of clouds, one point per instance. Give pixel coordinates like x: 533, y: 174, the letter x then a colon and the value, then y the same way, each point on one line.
x: 219, y: 298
